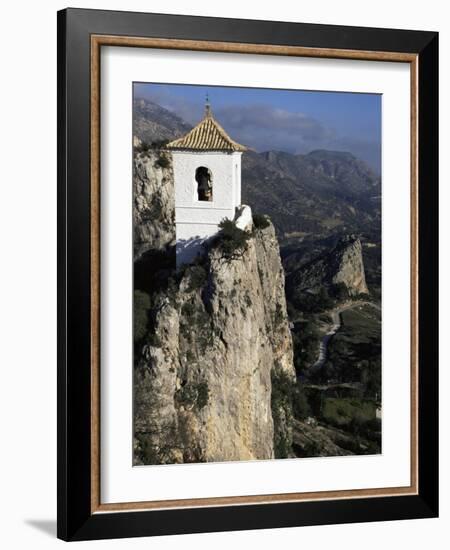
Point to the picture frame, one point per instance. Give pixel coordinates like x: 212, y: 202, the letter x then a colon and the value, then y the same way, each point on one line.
x: 81, y: 36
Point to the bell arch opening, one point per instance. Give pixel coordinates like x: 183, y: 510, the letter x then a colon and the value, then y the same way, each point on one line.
x: 204, y: 179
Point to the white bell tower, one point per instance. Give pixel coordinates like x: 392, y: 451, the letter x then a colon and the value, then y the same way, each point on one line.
x: 207, y: 175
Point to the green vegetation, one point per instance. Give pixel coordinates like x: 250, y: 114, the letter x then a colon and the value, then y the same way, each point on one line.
x: 343, y: 396
x: 306, y: 339
x: 282, y: 414
x: 339, y: 292
x: 172, y: 290
x: 260, y: 221
x: 143, y: 147
x: 365, y: 320
x: 232, y: 240
x: 154, y: 340
x: 358, y: 418
x: 288, y: 400
x: 193, y: 395
x: 140, y: 308
x: 159, y: 143
x: 348, y: 412
x: 310, y: 302
x: 311, y: 448
x: 162, y: 161
x: 155, y: 210
x: 195, y: 323
x: 355, y: 351
x: 148, y: 452
x: 188, y: 310
x: 278, y: 316
x: 312, y: 200
x: 197, y: 277
x: 202, y: 395
x: 301, y: 406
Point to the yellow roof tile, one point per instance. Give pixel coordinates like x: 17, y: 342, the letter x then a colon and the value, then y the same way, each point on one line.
x: 208, y: 135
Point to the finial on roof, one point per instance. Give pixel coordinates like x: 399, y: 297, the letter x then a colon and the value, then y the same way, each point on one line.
x: 207, y: 106
x: 208, y: 135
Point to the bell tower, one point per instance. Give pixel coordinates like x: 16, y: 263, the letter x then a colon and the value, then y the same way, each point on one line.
x: 207, y: 177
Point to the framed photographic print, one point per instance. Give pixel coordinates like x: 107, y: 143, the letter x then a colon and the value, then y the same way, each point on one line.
x: 247, y: 274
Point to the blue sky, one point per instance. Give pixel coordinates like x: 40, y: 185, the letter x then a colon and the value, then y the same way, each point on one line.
x: 286, y: 120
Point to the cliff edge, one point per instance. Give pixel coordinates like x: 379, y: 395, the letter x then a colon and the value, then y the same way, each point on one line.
x: 219, y: 336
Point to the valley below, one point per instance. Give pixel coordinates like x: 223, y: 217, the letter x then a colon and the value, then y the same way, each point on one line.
x: 343, y: 385
x: 292, y: 320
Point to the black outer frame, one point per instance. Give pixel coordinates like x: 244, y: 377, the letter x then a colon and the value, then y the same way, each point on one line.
x: 75, y: 521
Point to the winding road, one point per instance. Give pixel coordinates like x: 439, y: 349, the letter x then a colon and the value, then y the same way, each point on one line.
x: 335, y: 315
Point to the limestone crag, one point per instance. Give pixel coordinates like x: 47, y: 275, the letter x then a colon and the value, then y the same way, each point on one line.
x: 153, y: 201
x: 203, y: 378
x: 343, y: 265
x: 348, y: 266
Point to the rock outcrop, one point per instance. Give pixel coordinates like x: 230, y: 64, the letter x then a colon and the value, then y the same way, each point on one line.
x: 348, y: 266
x: 153, y: 201
x: 342, y: 266
x: 203, y: 376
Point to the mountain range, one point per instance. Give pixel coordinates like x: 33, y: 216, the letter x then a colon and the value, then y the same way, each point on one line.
x: 318, y: 194
x: 203, y: 390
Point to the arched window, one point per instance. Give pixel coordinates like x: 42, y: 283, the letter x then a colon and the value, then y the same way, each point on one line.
x: 203, y: 177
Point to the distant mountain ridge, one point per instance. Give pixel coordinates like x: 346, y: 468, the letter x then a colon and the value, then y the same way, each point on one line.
x: 223, y: 348
x: 341, y: 265
x: 321, y: 193
x: 151, y: 122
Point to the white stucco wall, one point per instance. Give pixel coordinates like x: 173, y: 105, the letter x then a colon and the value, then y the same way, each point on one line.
x: 196, y: 221
x: 237, y: 177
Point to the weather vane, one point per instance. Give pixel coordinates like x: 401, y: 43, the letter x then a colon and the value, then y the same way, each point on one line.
x: 207, y: 105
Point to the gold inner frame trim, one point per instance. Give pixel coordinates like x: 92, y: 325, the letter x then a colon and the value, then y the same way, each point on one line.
x: 97, y: 41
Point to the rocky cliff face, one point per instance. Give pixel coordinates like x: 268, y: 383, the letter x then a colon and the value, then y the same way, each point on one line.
x: 203, y: 378
x: 342, y: 266
x: 348, y: 266
x: 153, y: 201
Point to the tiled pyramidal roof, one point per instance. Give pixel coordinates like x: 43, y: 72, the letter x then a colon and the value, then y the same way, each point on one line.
x: 208, y: 135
